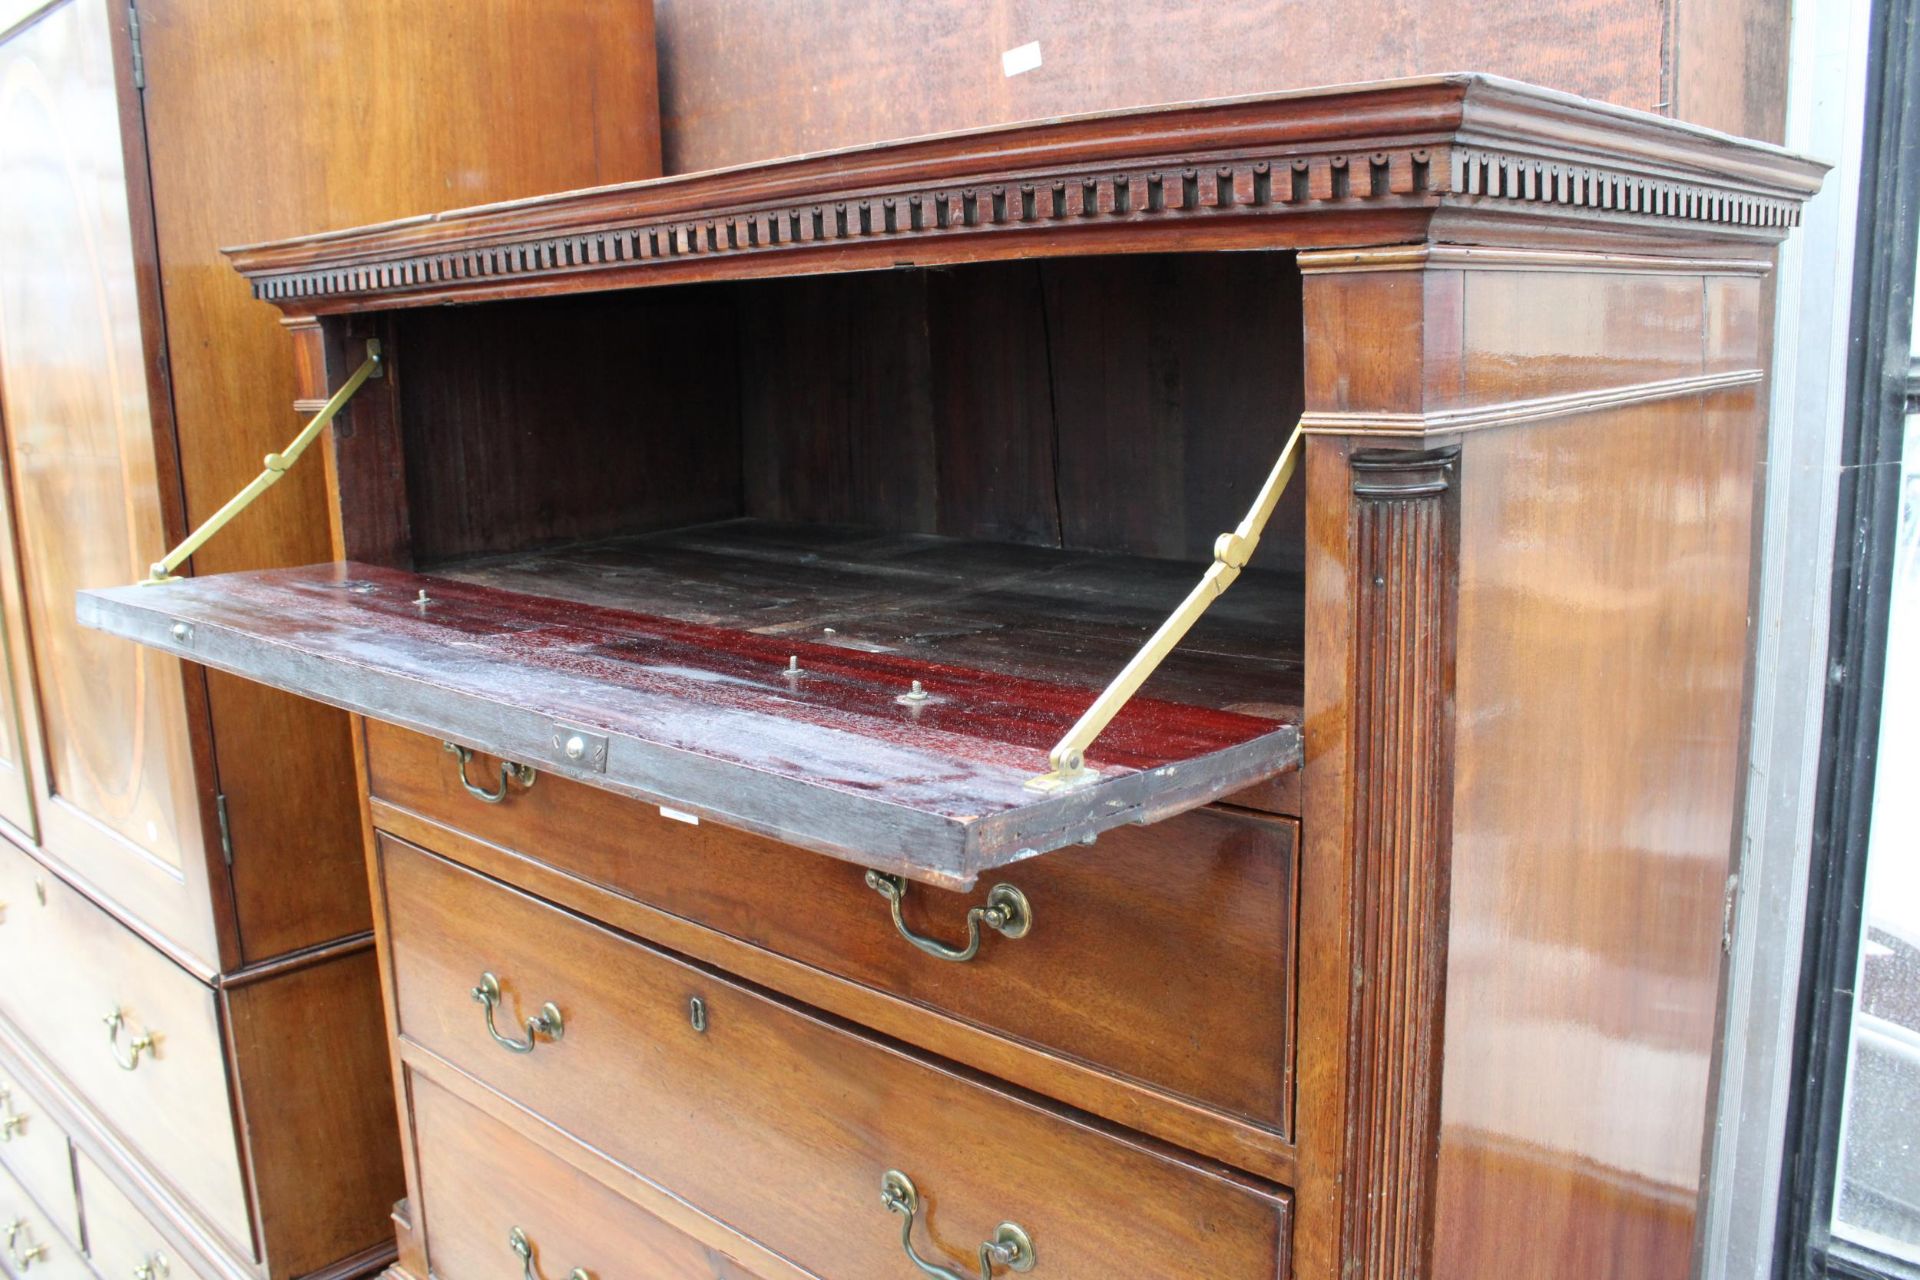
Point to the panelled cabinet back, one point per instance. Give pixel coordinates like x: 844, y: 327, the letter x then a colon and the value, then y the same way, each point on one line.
x: 720, y: 557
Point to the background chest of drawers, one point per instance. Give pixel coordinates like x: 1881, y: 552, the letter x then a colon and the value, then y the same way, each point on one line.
x: 191, y: 1045
x: 709, y: 629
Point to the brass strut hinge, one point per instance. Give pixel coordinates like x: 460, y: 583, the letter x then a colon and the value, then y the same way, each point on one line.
x: 276, y: 465
x: 1231, y: 551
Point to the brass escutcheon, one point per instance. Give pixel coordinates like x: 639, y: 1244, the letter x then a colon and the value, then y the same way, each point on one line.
x: 523, y: 1247
x: 524, y: 774
x: 548, y: 1023
x: 1006, y: 912
x: 1011, y: 1247
x: 142, y: 1043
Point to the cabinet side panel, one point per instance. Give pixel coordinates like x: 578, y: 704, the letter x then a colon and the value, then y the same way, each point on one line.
x: 1601, y: 686
x: 311, y: 1057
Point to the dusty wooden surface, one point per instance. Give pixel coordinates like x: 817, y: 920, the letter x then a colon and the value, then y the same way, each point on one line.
x: 678, y: 649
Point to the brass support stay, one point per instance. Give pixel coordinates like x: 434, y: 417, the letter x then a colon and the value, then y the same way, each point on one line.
x: 276, y: 465
x: 1231, y: 551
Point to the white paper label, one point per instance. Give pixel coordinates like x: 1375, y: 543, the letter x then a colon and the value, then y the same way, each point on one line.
x: 691, y: 819
x: 1025, y: 58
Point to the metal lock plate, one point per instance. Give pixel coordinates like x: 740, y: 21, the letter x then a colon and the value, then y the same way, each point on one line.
x: 581, y: 748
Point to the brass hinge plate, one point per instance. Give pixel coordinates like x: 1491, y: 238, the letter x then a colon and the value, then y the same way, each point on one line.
x: 226, y: 827
x: 139, y: 53
x: 1727, y: 914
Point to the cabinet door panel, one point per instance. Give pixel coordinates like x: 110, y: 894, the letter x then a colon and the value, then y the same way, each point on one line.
x: 118, y: 799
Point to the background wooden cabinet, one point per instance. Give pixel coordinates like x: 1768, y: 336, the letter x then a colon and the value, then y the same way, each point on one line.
x: 115, y: 782
x: 186, y: 841
x: 749, y: 80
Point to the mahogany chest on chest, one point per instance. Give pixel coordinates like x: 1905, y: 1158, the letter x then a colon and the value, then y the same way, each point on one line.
x: 845, y: 798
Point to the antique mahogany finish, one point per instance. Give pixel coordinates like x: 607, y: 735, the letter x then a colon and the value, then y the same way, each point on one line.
x: 824, y: 744
x: 742, y: 83
x: 149, y: 810
x: 709, y: 1129
x: 1525, y: 334
x: 1085, y: 1007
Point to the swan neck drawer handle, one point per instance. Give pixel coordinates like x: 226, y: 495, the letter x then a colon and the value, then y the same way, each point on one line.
x: 143, y: 1043
x: 524, y: 774
x: 1011, y: 1247
x: 1006, y: 912
x: 518, y: 1242
x: 11, y: 1121
x: 22, y: 1259
x: 547, y: 1023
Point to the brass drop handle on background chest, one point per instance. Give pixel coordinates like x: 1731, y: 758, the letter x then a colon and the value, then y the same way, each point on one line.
x: 152, y: 1267
x: 10, y: 1120
x: 546, y: 1023
x: 22, y: 1259
x: 142, y: 1043
x: 1007, y: 913
x: 518, y: 1242
x: 524, y: 774
x: 1010, y: 1247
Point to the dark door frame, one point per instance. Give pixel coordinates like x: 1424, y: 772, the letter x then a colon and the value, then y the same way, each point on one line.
x: 1878, y: 367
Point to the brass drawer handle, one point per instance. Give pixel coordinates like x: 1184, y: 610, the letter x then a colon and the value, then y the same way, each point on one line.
x: 1007, y: 913
x: 23, y: 1259
x: 152, y: 1267
x: 524, y: 774
x: 1010, y: 1247
x: 143, y: 1043
x: 518, y: 1242
x: 10, y: 1120
x: 547, y: 1024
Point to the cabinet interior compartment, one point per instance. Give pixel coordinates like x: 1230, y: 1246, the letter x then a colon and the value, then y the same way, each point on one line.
x: 834, y: 558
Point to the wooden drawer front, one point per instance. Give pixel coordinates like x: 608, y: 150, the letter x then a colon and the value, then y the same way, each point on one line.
x: 69, y: 967
x: 120, y: 1240
x: 31, y: 1247
x: 780, y: 1123
x: 35, y: 1150
x: 479, y: 1181
x: 1161, y: 954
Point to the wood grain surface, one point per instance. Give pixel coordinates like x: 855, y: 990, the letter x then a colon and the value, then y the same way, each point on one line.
x: 480, y: 1181
x: 1485, y: 161
x: 714, y: 719
x: 748, y: 80
x: 1158, y: 954
x: 46, y: 1249
x: 77, y: 967
x: 35, y: 1151
x: 94, y: 492
x: 120, y: 1239
x: 781, y: 1124
x: 1577, y: 1097
x: 399, y: 109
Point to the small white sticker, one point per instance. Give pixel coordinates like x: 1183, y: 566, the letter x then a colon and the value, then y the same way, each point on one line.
x: 1025, y: 58
x: 691, y: 819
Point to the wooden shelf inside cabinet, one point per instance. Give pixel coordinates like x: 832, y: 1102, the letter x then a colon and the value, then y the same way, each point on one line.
x: 882, y: 698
